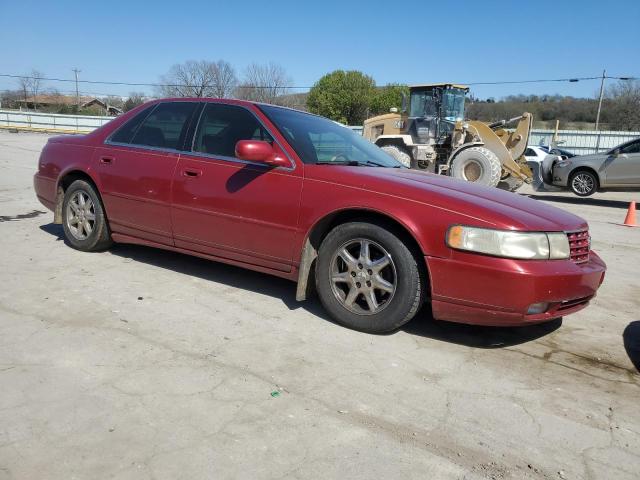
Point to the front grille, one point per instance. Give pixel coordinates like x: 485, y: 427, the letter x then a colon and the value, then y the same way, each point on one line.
x: 579, y: 243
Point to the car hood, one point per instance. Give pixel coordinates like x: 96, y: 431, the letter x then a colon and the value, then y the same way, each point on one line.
x: 480, y: 205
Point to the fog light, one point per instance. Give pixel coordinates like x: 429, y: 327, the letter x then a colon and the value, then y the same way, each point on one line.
x: 536, y: 308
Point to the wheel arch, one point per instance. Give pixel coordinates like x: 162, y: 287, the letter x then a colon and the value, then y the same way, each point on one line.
x: 462, y: 147
x: 583, y: 168
x: 64, y: 181
x: 321, y: 228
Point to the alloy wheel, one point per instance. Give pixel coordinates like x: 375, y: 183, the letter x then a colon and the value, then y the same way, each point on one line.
x: 363, y: 276
x: 583, y: 183
x: 81, y: 215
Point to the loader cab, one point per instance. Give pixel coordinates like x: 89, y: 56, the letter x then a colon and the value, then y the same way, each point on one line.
x: 433, y: 111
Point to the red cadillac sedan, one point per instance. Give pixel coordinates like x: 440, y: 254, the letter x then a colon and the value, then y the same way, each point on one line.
x: 301, y: 197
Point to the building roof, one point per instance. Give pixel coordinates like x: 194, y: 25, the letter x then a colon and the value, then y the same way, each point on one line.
x: 454, y: 85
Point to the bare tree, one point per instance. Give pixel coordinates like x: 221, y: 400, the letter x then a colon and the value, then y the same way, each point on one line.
x: 622, y: 108
x: 24, y: 84
x: 30, y: 85
x: 264, y: 83
x: 199, y: 79
x: 224, y: 79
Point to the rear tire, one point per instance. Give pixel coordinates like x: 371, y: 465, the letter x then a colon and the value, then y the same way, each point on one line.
x: 400, y: 154
x: 83, y: 220
x: 477, y: 165
x: 375, y: 289
x: 583, y: 183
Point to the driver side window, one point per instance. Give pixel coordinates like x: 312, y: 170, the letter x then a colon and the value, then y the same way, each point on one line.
x: 222, y: 126
x: 631, y: 148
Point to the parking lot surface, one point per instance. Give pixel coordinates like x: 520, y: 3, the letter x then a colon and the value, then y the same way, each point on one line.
x: 140, y: 363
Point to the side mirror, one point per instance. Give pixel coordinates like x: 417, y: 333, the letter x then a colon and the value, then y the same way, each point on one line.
x: 260, y: 152
x: 404, y: 103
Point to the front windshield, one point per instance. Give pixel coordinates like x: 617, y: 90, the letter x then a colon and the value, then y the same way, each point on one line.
x: 423, y: 104
x: 453, y: 104
x: 322, y: 141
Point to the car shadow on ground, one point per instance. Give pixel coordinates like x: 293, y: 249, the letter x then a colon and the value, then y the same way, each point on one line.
x: 422, y: 325
x: 631, y: 339
x: 596, y: 202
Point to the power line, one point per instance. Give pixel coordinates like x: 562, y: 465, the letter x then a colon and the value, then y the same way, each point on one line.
x: 133, y: 84
x: 73, y: 92
x: 142, y: 84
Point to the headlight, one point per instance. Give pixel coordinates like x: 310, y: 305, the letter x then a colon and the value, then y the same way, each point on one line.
x: 509, y: 244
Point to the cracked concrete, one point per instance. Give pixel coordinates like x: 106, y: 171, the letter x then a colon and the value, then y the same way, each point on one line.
x: 95, y: 383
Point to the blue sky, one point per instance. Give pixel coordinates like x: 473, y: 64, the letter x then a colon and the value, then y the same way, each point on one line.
x: 463, y: 41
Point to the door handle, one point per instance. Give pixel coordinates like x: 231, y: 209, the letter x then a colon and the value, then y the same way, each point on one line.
x: 190, y: 172
x: 107, y: 160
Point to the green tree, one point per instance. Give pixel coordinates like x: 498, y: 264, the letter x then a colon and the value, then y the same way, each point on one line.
x: 343, y: 96
x: 387, y: 97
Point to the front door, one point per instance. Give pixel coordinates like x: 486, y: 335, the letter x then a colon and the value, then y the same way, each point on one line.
x: 624, y: 168
x: 135, y: 168
x: 230, y: 208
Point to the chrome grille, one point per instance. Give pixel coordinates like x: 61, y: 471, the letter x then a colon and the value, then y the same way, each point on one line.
x: 579, y: 243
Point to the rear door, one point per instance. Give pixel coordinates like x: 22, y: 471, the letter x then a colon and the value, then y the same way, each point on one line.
x: 624, y: 168
x: 231, y: 208
x: 135, y: 167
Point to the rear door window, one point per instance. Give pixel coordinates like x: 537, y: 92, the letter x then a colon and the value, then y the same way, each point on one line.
x: 166, y: 126
x: 222, y: 126
x: 126, y: 132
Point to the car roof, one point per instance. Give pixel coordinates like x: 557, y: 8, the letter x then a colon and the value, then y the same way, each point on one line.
x: 228, y: 101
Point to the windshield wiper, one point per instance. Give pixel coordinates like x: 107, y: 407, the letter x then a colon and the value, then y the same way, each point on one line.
x: 351, y: 163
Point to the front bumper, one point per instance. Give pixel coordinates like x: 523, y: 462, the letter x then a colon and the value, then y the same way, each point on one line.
x: 483, y: 290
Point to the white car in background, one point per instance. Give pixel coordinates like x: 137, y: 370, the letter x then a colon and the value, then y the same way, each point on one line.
x: 538, y: 153
x: 535, y: 154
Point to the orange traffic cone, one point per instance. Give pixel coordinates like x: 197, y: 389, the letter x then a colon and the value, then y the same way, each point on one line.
x: 630, y: 219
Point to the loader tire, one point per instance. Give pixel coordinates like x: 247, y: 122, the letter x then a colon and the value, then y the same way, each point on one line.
x: 400, y: 154
x: 477, y: 165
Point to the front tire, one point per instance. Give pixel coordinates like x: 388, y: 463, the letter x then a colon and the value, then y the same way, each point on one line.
x: 83, y: 220
x: 400, y: 154
x: 583, y: 183
x: 477, y: 165
x: 367, y: 278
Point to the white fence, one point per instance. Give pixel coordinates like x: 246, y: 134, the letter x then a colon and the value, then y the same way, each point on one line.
x: 50, y: 122
x: 582, y: 142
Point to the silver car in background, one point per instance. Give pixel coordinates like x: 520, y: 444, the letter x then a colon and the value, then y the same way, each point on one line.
x: 619, y: 168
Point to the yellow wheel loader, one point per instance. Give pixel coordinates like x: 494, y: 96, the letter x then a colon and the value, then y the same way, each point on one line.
x: 431, y: 134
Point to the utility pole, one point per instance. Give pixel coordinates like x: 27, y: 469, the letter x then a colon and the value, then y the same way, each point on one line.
x: 604, y: 75
x: 76, y: 71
